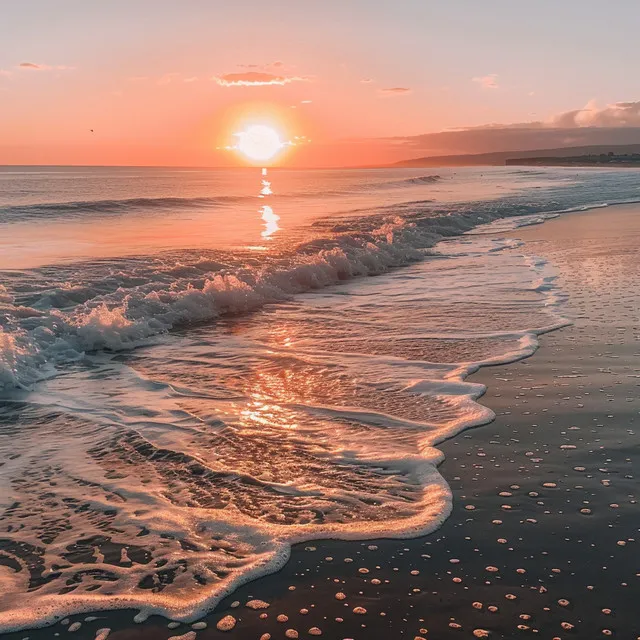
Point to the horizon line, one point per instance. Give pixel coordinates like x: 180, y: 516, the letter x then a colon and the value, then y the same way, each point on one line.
x: 207, y: 167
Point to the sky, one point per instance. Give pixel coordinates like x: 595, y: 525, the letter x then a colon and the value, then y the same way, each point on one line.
x: 159, y: 82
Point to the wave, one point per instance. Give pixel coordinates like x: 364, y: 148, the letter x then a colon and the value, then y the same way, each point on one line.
x: 32, y: 341
x: 119, y: 304
x: 185, y: 469
x: 177, y: 466
x: 60, y: 325
x: 74, y: 209
x: 416, y: 180
x: 423, y: 179
x: 82, y: 208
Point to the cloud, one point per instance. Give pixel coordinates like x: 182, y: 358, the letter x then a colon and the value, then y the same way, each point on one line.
x: 256, y: 79
x: 618, y: 114
x: 43, y: 67
x: 489, y: 81
x: 274, y: 65
x: 395, y: 91
x: 614, y: 124
x: 366, y: 80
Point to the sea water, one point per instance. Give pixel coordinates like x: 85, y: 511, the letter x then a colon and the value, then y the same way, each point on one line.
x: 197, y: 368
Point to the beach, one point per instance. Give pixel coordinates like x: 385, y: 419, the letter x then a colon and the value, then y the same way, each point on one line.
x: 542, y: 534
x: 299, y: 340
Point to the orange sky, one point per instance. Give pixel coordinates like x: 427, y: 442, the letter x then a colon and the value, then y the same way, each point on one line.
x: 165, y: 83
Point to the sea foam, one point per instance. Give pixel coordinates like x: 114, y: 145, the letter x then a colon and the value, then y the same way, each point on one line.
x: 187, y: 468
x: 60, y: 324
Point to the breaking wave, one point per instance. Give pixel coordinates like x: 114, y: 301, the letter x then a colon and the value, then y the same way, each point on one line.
x: 120, y: 310
x: 423, y: 179
x: 415, y: 180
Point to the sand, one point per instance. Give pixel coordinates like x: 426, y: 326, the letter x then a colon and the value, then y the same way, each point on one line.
x: 543, y: 537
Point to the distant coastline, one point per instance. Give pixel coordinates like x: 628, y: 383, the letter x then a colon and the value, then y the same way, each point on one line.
x: 627, y: 155
x: 601, y: 160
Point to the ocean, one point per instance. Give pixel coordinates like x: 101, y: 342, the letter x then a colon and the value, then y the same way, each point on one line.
x: 198, y: 368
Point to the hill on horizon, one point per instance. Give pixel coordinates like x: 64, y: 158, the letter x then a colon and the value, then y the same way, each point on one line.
x: 499, y: 158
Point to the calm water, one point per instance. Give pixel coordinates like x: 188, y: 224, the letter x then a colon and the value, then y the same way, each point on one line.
x: 196, y: 371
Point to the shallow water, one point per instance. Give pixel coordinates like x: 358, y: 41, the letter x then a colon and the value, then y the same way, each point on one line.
x: 162, y: 477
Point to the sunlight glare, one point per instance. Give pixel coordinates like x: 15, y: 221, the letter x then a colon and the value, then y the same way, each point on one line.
x: 259, y: 142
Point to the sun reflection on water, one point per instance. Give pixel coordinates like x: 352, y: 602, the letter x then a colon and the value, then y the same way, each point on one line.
x: 270, y: 222
x: 267, y: 214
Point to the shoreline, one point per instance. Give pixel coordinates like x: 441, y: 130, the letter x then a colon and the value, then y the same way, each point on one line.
x: 394, y: 557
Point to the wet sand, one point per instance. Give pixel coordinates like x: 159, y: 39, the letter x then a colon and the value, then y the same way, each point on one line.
x: 542, y: 539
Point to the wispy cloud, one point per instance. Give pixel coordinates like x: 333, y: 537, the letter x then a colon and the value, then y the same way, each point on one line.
x: 366, y: 80
x: 273, y: 65
x: 490, y: 81
x: 43, y: 67
x: 395, y: 91
x: 256, y: 79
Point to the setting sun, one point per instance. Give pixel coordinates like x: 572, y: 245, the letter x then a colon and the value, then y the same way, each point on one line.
x: 259, y: 142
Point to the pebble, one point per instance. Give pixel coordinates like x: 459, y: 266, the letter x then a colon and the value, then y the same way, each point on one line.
x: 225, y: 624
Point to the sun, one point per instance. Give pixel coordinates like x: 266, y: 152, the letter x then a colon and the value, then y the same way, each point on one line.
x: 259, y: 142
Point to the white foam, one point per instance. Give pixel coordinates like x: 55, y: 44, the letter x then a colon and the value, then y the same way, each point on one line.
x: 318, y: 420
